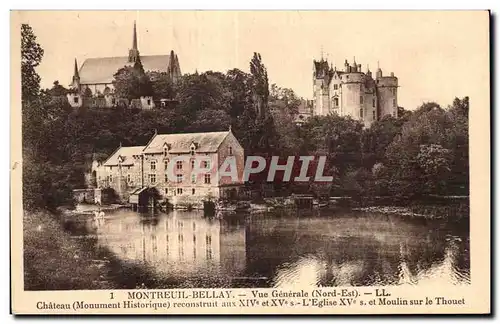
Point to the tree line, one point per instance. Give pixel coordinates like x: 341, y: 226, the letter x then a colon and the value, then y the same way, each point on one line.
x: 424, y: 151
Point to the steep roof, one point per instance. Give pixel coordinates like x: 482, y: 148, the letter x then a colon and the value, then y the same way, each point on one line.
x: 102, y: 69
x: 181, y: 143
x: 126, y: 153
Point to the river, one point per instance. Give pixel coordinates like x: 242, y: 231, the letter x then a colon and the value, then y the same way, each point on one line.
x: 286, y: 249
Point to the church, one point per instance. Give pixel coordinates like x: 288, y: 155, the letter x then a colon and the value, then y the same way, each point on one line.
x: 95, y: 77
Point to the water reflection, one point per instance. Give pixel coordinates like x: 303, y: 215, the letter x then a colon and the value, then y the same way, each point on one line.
x: 290, y: 250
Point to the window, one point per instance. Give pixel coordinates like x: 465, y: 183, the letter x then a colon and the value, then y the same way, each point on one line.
x: 193, y: 178
x: 149, y: 102
x: 361, y: 113
x: 153, y: 165
x: 192, y: 164
x: 192, y: 150
x: 110, y: 178
x: 336, y: 102
x: 165, y: 150
x: 166, y: 191
x: 152, y: 178
x: 373, y: 102
x: 75, y: 99
x: 179, y: 191
x: 230, y: 150
x: 113, y: 101
x: 374, y: 115
x: 193, y: 191
x: 394, y: 102
x: 166, y: 164
x: 179, y: 178
x: 166, y: 178
x: 179, y: 165
x: 335, y: 86
x: 206, y: 164
x: 207, y: 178
x: 129, y: 178
x: 361, y: 99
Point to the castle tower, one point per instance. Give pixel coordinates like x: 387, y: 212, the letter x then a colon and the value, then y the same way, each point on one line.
x: 321, y: 81
x: 133, y: 53
x: 387, y: 93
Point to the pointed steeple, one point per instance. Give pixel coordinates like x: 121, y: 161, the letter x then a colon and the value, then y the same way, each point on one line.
x: 133, y: 53
x: 134, y: 40
x: 76, y: 77
x: 75, y: 73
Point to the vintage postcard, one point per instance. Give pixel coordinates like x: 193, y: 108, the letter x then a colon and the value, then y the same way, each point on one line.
x: 250, y: 162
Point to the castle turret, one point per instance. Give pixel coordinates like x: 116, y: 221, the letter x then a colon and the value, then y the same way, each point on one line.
x: 379, y: 71
x: 133, y: 53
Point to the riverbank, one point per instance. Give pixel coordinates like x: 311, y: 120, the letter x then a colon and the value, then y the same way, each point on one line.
x: 53, y: 260
x: 456, y: 212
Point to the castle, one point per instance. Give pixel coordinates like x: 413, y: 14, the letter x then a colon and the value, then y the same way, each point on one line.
x: 92, y: 83
x: 352, y: 92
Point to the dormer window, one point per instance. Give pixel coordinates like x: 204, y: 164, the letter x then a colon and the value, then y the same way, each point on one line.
x: 120, y: 159
x: 166, y: 148
x: 192, y: 148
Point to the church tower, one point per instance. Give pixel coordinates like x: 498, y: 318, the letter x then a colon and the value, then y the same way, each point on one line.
x: 133, y: 53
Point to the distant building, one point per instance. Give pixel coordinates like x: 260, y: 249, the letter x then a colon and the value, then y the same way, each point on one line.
x: 130, y: 170
x: 351, y: 92
x: 92, y: 83
x: 304, y: 111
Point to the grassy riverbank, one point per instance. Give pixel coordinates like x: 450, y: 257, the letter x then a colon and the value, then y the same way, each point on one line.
x: 54, y: 260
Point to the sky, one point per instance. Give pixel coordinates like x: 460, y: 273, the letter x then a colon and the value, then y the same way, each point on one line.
x: 436, y: 55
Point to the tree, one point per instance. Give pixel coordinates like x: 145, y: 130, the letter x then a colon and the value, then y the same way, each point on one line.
x: 31, y: 56
x: 260, y: 84
x: 338, y: 138
x: 434, y: 161
x: 163, y: 87
x: 198, y: 92
x: 377, y: 137
x: 132, y: 82
x: 432, y: 141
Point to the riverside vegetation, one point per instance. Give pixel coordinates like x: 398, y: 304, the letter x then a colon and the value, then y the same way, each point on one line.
x: 422, y: 152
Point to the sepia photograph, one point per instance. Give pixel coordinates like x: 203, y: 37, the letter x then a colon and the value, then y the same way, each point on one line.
x: 290, y: 150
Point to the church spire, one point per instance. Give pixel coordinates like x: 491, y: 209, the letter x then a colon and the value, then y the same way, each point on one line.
x: 133, y: 53
x: 75, y: 72
x: 134, y: 41
x: 76, y: 77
